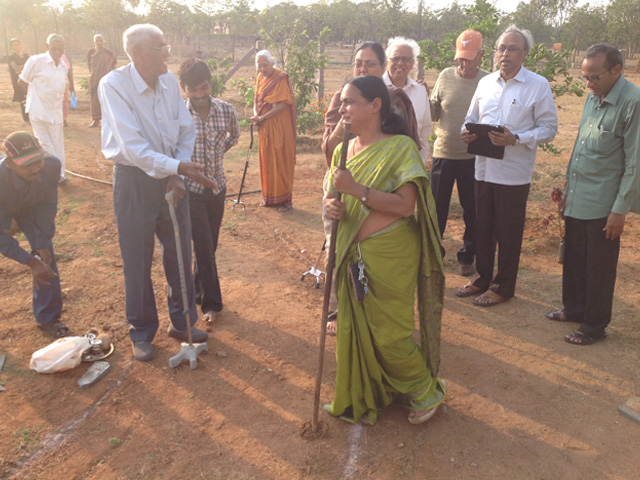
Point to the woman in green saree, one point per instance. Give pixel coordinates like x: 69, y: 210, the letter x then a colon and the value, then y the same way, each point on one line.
x: 385, y: 248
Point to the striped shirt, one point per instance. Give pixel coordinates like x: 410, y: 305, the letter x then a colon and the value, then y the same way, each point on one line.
x: 214, y: 136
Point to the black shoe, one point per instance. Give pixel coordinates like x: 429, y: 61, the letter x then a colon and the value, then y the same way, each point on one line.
x: 196, y: 335
x: 143, y: 351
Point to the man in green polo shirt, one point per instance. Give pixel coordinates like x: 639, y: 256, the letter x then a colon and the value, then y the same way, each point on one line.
x: 603, y: 184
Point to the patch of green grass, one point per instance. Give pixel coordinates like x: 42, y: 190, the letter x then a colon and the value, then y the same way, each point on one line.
x: 98, y: 252
x: 114, y: 442
x: 28, y: 438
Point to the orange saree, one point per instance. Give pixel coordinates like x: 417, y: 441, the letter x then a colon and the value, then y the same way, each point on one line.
x: 277, y: 146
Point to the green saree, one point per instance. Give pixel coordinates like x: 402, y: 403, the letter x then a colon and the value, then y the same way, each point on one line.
x: 378, y: 361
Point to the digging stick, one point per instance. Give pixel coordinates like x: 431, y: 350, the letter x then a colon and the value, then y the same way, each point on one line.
x: 331, y: 263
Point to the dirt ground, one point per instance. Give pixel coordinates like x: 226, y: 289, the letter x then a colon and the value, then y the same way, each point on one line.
x: 521, y: 404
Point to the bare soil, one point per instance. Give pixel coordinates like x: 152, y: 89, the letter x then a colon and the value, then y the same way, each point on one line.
x: 522, y: 403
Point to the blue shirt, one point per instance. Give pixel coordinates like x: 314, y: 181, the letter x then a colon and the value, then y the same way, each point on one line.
x: 32, y: 204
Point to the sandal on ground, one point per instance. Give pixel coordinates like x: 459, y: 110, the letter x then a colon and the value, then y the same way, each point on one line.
x: 489, y: 299
x: 468, y: 290
x: 285, y: 207
x: 558, y: 316
x: 332, y: 324
x: 582, y: 339
x: 209, y: 317
x: 426, y: 414
x: 55, y: 329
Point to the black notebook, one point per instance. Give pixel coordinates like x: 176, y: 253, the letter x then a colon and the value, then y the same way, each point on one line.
x: 482, y: 145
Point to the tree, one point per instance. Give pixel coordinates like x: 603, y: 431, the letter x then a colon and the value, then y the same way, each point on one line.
x: 623, y: 24
x: 585, y: 26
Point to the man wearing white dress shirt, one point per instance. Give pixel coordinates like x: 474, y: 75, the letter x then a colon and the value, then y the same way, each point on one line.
x: 401, y: 56
x: 44, y: 78
x: 520, y: 101
x: 149, y: 134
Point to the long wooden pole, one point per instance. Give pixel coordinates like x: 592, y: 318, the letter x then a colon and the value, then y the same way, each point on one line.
x: 328, y: 285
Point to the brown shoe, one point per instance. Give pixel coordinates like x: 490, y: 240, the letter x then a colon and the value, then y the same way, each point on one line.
x: 466, y: 270
x: 94, y: 124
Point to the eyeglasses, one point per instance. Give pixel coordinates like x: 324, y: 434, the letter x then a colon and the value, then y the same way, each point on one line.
x: 360, y: 64
x: 510, y: 49
x: 401, y: 59
x: 164, y: 49
x: 593, y: 78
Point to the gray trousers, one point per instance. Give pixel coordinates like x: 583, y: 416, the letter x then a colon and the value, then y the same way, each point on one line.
x: 142, y: 212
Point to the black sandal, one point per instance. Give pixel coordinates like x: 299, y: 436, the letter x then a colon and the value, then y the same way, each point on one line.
x: 582, y: 339
x: 55, y: 329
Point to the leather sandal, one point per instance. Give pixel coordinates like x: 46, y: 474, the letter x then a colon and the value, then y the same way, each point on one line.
x: 55, y: 329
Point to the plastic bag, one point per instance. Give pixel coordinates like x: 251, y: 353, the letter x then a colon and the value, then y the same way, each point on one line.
x: 63, y: 354
x: 74, y: 101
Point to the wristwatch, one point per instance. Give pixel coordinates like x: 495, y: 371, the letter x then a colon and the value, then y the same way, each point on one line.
x: 517, y: 139
x: 363, y: 199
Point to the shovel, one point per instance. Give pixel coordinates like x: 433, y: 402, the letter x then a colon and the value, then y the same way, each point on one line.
x: 188, y: 351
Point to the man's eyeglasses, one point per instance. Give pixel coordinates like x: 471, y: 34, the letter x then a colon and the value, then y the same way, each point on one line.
x: 593, y: 78
x: 401, y: 59
x: 510, y: 49
x: 360, y: 64
x: 164, y: 49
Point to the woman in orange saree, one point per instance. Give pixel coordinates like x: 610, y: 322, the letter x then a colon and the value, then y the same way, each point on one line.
x: 275, y: 112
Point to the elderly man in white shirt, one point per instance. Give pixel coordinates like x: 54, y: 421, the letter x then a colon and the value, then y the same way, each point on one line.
x: 520, y: 101
x: 44, y: 78
x: 401, y: 56
x: 149, y: 134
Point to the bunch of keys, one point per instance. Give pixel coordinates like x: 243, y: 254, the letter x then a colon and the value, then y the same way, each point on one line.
x: 362, y: 278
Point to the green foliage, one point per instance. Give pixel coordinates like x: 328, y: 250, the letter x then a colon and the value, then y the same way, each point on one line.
x: 300, y: 58
x: 438, y: 56
x: 554, y: 66
x: 114, y: 442
x: 84, y: 84
x: 247, y: 91
x: 218, y: 80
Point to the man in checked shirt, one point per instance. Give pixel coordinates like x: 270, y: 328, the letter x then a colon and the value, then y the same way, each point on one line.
x: 217, y: 130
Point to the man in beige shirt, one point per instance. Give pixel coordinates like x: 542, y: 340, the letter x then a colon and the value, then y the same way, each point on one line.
x: 451, y: 163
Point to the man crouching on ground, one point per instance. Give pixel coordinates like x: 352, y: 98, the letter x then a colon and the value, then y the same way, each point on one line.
x: 149, y: 134
x: 217, y: 130
x: 29, y: 195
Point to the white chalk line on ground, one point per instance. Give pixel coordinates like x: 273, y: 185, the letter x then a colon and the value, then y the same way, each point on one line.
x: 353, y: 450
x: 55, y: 439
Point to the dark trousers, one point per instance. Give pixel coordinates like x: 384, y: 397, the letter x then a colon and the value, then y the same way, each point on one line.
x: 589, y: 274
x: 444, y: 173
x: 207, y: 211
x: 501, y: 211
x: 142, y: 213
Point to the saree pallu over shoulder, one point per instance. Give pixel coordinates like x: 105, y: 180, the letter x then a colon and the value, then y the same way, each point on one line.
x: 407, y: 249
x: 274, y: 89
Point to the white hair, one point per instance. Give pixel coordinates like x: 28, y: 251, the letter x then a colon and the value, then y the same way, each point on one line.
x: 526, y: 35
x: 266, y: 54
x: 137, y: 35
x: 54, y: 37
x: 402, y: 41
x: 97, y: 35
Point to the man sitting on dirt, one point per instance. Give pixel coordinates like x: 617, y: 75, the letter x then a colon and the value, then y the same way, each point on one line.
x: 602, y: 187
x: 217, y: 130
x: 149, y: 134
x: 29, y: 196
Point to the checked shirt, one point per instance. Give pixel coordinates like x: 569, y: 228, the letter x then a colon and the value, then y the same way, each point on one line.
x: 214, y: 136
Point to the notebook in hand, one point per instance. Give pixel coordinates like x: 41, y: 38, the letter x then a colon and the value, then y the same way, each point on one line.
x: 482, y: 145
